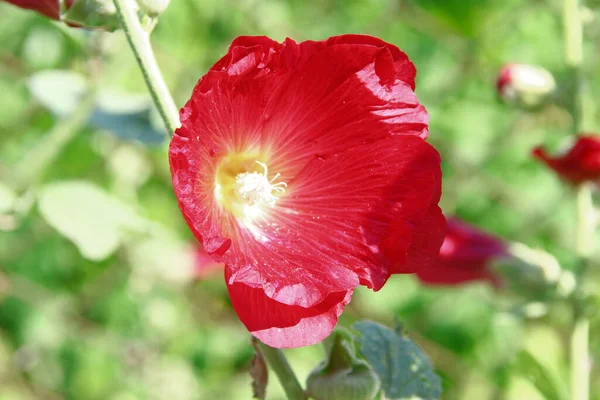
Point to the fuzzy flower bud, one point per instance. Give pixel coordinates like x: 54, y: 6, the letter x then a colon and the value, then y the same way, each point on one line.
x: 78, y: 13
x: 153, y: 7
x: 525, y: 85
x: 531, y: 272
x: 342, y: 376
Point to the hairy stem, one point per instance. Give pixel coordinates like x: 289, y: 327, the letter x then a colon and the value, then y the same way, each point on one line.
x: 139, y: 41
x: 279, y: 364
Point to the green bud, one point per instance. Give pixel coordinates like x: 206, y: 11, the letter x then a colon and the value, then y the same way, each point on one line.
x: 342, y: 376
x: 92, y: 14
x: 531, y: 272
x: 153, y: 7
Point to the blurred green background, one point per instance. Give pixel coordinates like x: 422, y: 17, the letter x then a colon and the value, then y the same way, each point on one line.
x: 100, y: 293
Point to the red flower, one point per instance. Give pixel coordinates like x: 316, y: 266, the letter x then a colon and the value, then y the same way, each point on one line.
x: 505, y: 77
x: 49, y: 8
x: 581, y: 163
x: 303, y: 167
x: 465, y: 256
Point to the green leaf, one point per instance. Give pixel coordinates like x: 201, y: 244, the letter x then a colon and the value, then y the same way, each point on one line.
x: 342, y: 376
x: 57, y: 90
x: 539, y: 376
x: 403, y: 367
x: 127, y: 116
x: 8, y: 198
x: 93, y: 220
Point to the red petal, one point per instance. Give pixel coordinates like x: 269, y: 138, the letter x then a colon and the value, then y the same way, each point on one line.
x: 427, y: 238
x: 404, y: 69
x: 330, y: 230
x: 467, y: 243
x: 464, y: 256
x: 280, y: 325
x: 457, y: 272
x: 47, y: 7
x: 580, y: 164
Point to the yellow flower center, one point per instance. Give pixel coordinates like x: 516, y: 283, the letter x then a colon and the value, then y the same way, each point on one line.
x: 243, y: 187
x: 255, y: 188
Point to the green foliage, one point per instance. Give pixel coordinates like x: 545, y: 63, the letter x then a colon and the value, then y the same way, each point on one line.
x: 93, y: 13
x: 403, y: 367
x: 534, y: 371
x: 59, y: 91
x: 98, y: 297
x: 130, y: 117
x: 125, y: 115
x: 342, y: 375
x: 96, y: 222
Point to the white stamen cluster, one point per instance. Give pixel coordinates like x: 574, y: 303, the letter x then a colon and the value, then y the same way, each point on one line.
x: 256, y: 188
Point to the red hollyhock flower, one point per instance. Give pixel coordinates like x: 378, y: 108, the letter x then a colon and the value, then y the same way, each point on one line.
x: 581, y: 163
x: 49, y: 8
x: 465, y: 256
x: 303, y: 167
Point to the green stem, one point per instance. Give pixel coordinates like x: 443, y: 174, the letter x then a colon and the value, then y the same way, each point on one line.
x: 139, y: 41
x: 580, y: 363
x: 279, y: 364
x: 580, y: 366
x: 586, y: 222
x: 580, y: 373
x: 573, y: 26
x: 35, y: 163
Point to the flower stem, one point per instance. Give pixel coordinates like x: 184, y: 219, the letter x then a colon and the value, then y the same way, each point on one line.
x: 573, y: 33
x: 573, y: 27
x: 580, y: 365
x: 580, y: 373
x: 139, y: 41
x: 279, y: 364
x: 586, y: 223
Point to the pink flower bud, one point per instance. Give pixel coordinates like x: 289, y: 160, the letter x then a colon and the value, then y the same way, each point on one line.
x: 529, y: 86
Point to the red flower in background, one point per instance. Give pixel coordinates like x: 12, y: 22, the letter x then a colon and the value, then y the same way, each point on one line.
x: 303, y: 167
x: 49, y: 8
x: 465, y: 256
x: 581, y: 163
x: 205, y: 266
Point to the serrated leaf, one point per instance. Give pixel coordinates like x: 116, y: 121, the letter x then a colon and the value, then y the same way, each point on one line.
x: 58, y: 90
x: 531, y: 369
x: 403, y: 367
x: 91, y: 218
